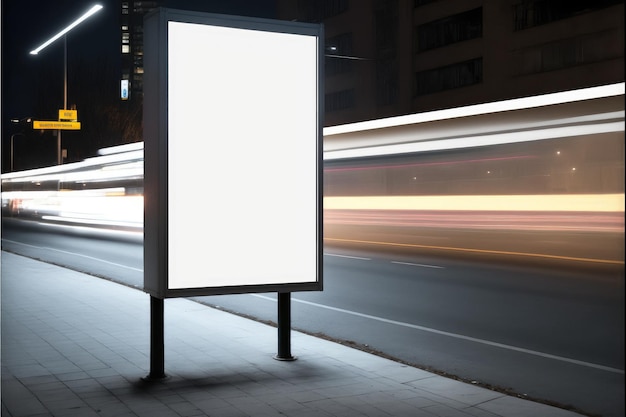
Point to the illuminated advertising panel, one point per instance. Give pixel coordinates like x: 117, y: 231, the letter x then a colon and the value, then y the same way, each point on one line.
x: 124, y: 90
x: 233, y: 154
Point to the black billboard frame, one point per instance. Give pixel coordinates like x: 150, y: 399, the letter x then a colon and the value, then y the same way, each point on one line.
x: 156, y: 142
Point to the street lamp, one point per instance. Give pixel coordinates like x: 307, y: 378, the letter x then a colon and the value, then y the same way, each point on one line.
x: 334, y: 55
x: 63, y: 33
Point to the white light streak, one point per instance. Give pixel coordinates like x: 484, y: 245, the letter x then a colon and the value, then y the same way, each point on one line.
x: 485, y: 108
x: 77, y: 22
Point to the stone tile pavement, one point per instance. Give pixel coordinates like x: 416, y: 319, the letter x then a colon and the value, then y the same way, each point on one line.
x: 78, y: 346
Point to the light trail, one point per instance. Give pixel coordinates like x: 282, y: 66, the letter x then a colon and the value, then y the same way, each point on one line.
x: 423, y: 164
x: 347, y: 256
x: 532, y: 202
x: 420, y: 265
x: 471, y: 250
x: 91, y: 258
x: 611, y: 222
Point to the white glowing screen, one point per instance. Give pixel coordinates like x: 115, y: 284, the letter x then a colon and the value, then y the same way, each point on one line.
x: 242, y: 157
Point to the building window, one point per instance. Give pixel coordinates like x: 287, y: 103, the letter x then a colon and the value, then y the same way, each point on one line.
x: 126, y: 49
x: 452, y: 29
x: 137, y: 61
x: 386, y: 27
x: 566, y: 53
x: 461, y: 74
x: 334, y: 7
x: 386, y: 36
x: 386, y: 82
x: 137, y: 83
x: 339, y: 100
x: 318, y: 10
x: 144, y: 6
x: 534, y: 13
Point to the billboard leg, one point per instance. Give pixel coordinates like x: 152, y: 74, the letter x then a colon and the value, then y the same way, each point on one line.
x: 157, y: 340
x: 284, y: 327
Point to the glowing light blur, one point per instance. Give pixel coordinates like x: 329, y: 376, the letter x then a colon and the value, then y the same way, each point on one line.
x: 537, y: 176
x: 421, y: 164
x: 71, y: 26
x: 542, y: 182
x: 485, y: 108
x: 87, y: 192
x: 612, y: 222
x: 479, y: 140
x: 541, y: 203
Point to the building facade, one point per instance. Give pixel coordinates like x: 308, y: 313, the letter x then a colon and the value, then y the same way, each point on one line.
x: 393, y: 57
x: 131, y: 26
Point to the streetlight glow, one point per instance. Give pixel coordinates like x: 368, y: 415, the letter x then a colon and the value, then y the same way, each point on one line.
x: 63, y: 34
x: 78, y: 21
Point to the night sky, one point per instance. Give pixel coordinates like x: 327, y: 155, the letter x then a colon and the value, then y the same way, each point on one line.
x: 32, y: 85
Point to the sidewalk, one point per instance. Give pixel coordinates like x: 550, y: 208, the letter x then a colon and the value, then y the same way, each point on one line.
x: 76, y: 345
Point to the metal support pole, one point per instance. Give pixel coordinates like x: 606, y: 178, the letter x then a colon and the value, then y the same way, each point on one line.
x: 59, y: 158
x: 59, y: 154
x: 64, y: 72
x: 12, y: 151
x: 157, y: 339
x: 284, y: 327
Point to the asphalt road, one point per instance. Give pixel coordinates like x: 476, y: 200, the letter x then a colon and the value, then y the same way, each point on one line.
x: 550, y: 333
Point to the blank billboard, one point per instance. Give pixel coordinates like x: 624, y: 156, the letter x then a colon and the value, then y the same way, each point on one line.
x: 232, y: 137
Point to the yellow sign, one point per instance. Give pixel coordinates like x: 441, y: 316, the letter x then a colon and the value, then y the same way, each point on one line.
x: 68, y: 115
x: 38, y: 124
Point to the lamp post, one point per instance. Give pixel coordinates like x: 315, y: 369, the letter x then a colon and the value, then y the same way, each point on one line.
x: 12, y: 136
x: 63, y: 33
x: 17, y: 121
